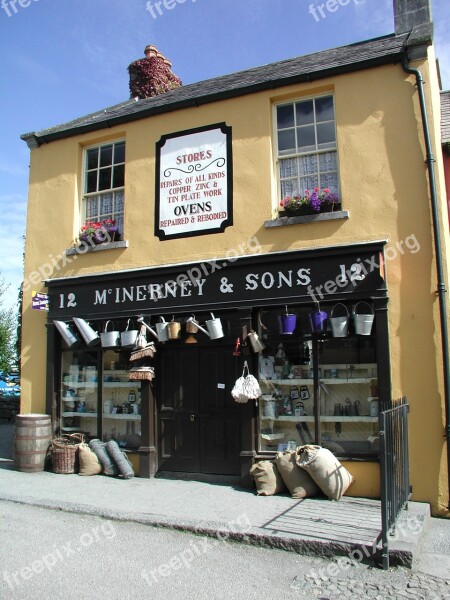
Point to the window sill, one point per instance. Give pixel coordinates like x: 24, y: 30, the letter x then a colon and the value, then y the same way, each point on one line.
x: 284, y: 221
x: 98, y: 248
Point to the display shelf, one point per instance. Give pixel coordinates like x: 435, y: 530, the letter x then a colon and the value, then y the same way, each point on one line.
x: 85, y: 415
x: 119, y: 384
x: 270, y: 382
x: 122, y: 417
x: 324, y: 419
x: 341, y: 380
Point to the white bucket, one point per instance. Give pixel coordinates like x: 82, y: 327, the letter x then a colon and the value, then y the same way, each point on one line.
x: 364, y: 321
x: 128, y: 337
x: 110, y: 339
x: 339, y: 325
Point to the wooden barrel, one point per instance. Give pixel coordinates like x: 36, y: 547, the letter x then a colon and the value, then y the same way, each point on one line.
x: 32, y: 438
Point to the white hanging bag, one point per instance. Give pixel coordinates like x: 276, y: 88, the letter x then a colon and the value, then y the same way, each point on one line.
x: 246, y: 387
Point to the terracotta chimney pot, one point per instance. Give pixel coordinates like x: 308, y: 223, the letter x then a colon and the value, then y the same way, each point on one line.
x: 150, y: 51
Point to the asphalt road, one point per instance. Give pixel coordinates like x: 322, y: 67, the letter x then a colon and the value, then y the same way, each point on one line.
x: 52, y: 554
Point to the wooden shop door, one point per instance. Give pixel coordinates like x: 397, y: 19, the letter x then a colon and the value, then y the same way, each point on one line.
x: 199, y: 422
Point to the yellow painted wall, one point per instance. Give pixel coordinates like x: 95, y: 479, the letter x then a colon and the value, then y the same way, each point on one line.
x: 383, y: 182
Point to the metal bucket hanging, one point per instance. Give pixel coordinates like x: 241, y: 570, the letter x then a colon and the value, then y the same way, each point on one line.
x: 174, y: 329
x: 339, y: 325
x: 129, y: 336
x: 109, y: 339
x: 318, y: 320
x: 363, y: 321
x: 287, y: 323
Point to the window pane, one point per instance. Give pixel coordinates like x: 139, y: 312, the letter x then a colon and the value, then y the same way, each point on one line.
x: 92, y: 159
x: 106, y: 156
x: 119, y: 176
x: 330, y: 180
x: 324, y: 109
x: 288, y: 167
x: 306, y: 138
x: 91, y: 182
x: 105, y: 179
x: 308, y: 164
x: 119, y: 198
x: 288, y: 186
x: 328, y: 161
x: 309, y: 183
x: 92, y: 208
x: 106, y: 205
x: 119, y: 152
x: 304, y: 112
x: 285, y: 116
x: 326, y: 137
x: 286, y: 141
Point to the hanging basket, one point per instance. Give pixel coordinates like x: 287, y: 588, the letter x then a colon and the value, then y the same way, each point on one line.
x: 363, y: 321
x: 339, y: 325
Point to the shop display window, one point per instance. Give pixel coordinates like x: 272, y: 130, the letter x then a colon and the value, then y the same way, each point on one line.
x: 97, y: 398
x: 317, y: 389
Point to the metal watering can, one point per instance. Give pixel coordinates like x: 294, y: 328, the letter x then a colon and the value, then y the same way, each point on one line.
x: 214, y: 327
x: 161, y: 333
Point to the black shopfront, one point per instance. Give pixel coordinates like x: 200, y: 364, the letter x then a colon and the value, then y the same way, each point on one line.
x: 318, y: 387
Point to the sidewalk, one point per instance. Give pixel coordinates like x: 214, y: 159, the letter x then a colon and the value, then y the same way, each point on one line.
x: 312, y: 526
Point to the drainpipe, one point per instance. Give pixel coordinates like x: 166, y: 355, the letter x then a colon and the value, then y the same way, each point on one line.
x: 441, y: 291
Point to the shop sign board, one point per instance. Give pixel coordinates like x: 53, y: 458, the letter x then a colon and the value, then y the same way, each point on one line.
x: 194, y: 182
x: 271, y: 279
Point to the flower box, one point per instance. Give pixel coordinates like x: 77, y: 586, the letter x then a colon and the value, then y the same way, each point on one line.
x: 100, y: 232
x: 311, y: 203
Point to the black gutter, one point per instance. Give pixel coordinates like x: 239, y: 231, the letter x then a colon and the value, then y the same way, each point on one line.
x: 441, y: 290
x: 231, y: 92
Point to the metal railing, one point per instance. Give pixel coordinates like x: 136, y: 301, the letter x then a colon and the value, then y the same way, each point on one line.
x: 394, y: 467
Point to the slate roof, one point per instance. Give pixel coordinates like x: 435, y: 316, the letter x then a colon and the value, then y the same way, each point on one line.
x: 362, y: 55
x: 445, y: 116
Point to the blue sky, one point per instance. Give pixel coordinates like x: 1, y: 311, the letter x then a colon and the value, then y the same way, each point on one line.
x: 62, y: 59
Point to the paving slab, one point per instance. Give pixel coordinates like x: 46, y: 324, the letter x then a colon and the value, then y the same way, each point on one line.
x: 311, y: 526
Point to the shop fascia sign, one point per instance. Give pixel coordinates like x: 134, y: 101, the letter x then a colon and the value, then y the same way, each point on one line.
x: 258, y: 280
x: 194, y: 182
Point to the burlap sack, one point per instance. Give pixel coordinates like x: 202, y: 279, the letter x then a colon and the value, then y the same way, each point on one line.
x: 332, y: 478
x: 267, y: 478
x: 89, y: 463
x: 109, y: 466
x: 298, y: 482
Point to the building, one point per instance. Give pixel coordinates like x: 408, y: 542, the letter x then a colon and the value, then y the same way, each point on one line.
x: 197, y: 180
x: 445, y: 129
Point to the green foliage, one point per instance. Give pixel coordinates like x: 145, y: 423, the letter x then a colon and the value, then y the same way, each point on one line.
x: 7, y: 333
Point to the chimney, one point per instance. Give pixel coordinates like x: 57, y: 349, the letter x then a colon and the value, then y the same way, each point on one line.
x: 414, y: 17
x: 152, y: 75
x: 410, y: 13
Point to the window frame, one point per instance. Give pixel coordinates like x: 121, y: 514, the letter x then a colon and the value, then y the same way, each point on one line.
x: 113, y: 190
x: 295, y: 155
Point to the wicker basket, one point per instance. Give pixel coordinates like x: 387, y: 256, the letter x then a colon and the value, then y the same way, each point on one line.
x: 64, y: 453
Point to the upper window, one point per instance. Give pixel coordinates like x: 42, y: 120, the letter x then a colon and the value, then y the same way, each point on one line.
x: 104, y: 180
x: 306, y: 144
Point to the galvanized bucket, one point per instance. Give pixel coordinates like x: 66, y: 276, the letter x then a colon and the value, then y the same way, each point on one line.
x: 129, y: 336
x: 269, y: 406
x: 339, y: 325
x: 109, y: 339
x: 363, y: 321
x: 89, y: 335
